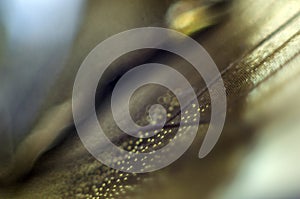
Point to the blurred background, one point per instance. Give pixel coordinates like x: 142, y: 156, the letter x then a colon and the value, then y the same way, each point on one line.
x: 255, y: 45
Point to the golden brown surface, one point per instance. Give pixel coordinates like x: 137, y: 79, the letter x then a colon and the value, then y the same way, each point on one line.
x: 253, y: 47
